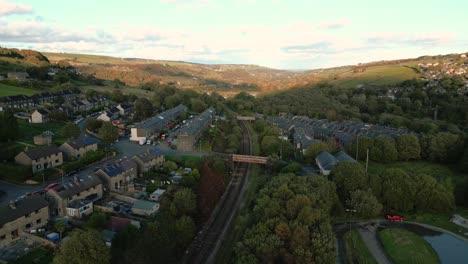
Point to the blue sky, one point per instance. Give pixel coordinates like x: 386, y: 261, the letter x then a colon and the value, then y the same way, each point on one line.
x: 286, y: 34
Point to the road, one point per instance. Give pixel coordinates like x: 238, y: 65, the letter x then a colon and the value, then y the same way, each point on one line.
x: 206, y: 244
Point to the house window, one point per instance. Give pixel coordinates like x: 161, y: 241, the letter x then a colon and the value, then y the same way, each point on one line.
x: 28, y: 226
x: 27, y: 215
x: 2, y: 237
x: 37, y: 211
x: 38, y: 221
x: 14, y: 234
x: 38, y: 166
x: 71, y: 211
x: 78, y: 194
x: 56, y: 161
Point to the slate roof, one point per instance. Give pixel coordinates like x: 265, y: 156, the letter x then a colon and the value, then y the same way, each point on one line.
x: 118, y: 167
x: 342, y: 131
x: 198, y: 123
x: 39, y: 152
x: 144, y: 205
x: 42, y: 111
x: 160, y: 121
x: 78, y: 203
x: 326, y: 160
x: 148, y: 156
x: 81, y: 143
x: 342, y: 156
x: 24, y: 206
x: 76, y: 185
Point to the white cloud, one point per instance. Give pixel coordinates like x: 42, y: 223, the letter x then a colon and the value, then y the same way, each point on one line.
x: 334, y: 24
x: 9, y: 8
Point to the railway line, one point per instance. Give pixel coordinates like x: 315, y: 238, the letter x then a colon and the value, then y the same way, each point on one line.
x: 205, y: 246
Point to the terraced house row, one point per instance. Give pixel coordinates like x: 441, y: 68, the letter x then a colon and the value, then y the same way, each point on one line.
x: 305, y: 130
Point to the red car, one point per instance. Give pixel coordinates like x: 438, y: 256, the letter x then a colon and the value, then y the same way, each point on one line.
x: 51, y: 186
x: 395, y: 218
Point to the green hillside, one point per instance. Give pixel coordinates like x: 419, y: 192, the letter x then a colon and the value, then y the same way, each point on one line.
x: 6, y: 90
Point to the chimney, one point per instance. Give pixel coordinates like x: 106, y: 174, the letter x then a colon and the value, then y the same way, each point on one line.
x: 75, y: 179
x: 12, y: 204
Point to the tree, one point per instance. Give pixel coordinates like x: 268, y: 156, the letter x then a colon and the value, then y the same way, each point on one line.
x: 384, y: 150
x: 93, y: 124
x: 397, y: 190
x: 365, y: 203
x: 197, y: 105
x: 270, y: 145
x: 184, y: 202
x: 314, y: 149
x: 60, y: 227
x: 97, y: 220
x: 9, y: 127
x: 143, y: 108
x: 185, y: 229
x: 83, y: 247
x: 122, y: 244
x: 71, y: 130
x: 170, y: 165
x: 348, y: 177
x: 108, y: 133
x: 444, y: 146
x: 408, y: 147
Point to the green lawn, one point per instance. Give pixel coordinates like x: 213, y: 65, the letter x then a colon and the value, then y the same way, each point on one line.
x: 355, y: 249
x: 27, y: 131
x: 440, y: 220
x: 36, y: 256
x: 6, y: 90
x: 405, y: 247
x: 375, y: 75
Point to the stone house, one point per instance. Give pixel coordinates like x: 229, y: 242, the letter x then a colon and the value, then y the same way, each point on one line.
x: 40, y: 158
x: 148, y: 160
x: 78, y: 148
x: 21, y: 216
x: 76, y: 196
x: 119, y: 174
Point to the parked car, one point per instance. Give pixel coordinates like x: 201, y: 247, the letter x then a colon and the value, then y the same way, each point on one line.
x: 395, y: 217
x: 51, y: 186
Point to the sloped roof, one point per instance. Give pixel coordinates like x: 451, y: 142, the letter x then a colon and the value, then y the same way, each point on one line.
x: 342, y: 156
x: 22, y: 207
x: 76, y: 185
x: 326, y: 160
x: 39, y: 152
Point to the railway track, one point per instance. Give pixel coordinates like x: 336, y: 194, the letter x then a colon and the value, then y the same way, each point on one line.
x: 205, y: 246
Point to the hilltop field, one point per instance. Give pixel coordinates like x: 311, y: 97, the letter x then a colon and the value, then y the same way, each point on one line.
x: 226, y: 79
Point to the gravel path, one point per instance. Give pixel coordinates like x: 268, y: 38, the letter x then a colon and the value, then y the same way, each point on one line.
x: 369, y: 236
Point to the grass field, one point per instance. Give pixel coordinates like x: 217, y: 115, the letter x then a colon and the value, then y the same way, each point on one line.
x: 27, y: 131
x: 376, y: 75
x: 7, y: 90
x: 356, y: 250
x: 440, y: 220
x: 405, y: 247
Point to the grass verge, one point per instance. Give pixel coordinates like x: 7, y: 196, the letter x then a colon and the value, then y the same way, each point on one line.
x: 356, y: 250
x: 405, y: 247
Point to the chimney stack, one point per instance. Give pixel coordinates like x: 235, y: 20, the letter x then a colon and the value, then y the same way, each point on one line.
x: 12, y: 204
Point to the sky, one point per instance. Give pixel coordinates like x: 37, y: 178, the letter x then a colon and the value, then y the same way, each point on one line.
x: 282, y: 34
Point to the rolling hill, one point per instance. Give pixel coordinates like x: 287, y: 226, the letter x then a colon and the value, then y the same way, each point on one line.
x: 226, y: 79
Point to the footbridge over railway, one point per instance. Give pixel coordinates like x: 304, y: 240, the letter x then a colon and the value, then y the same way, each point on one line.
x: 236, y: 158
x: 249, y: 159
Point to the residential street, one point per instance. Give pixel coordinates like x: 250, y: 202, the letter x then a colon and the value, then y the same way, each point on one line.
x: 125, y: 147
